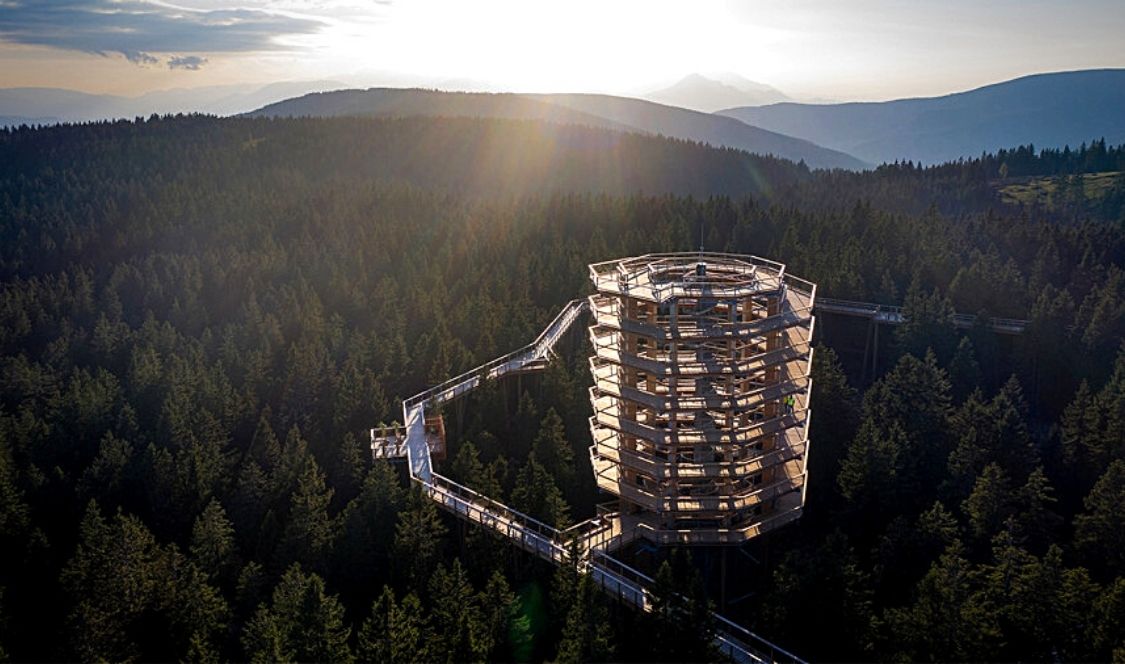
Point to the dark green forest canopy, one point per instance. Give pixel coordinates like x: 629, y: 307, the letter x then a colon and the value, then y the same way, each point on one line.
x: 199, y: 318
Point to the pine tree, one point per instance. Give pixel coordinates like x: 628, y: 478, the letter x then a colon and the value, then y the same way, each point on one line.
x: 250, y: 588
x: 264, y: 448
x: 828, y: 586
x: 310, y: 531
x: 106, y: 480
x: 949, y: 620
x: 915, y: 397
x: 1079, y: 439
x: 1048, y: 343
x: 418, y: 539
x: 498, y: 607
x: 466, y: 466
x: 458, y: 622
x: 552, y: 450
x: 928, y: 322
x: 586, y: 636
x: 364, y: 553
x: 536, y: 494
x: 121, y: 580
x: 681, y: 623
x: 835, y: 422
x: 1100, y: 531
x: 301, y: 623
x: 989, y: 504
x: 939, y: 526
x: 1110, y: 404
x: 527, y: 418
x: 1107, y: 628
x: 292, y: 463
x: 872, y: 474
x: 964, y: 371
x: 351, y: 465
x: 396, y: 633
x: 1035, y: 520
x: 1042, y: 605
x: 13, y: 509
x: 265, y: 640
x: 1014, y: 451
x: 212, y: 542
x: 995, y: 433
x: 249, y: 504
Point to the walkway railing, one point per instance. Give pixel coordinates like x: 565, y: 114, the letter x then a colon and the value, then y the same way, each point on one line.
x: 594, y: 538
x: 892, y: 315
x: 513, y: 361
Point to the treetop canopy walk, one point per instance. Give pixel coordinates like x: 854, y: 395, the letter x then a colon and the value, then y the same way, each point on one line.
x: 892, y: 315
x: 593, y: 539
x: 701, y: 371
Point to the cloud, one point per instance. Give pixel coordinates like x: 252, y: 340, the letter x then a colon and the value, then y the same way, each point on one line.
x: 192, y: 62
x: 140, y: 57
x: 138, y: 28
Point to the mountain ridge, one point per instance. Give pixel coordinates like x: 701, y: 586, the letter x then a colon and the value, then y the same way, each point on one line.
x: 708, y: 94
x: 41, y: 105
x: 1049, y: 110
x: 603, y: 111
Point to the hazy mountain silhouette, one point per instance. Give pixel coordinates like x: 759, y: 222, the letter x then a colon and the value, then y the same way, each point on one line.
x: 400, y: 102
x: 711, y: 93
x: 604, y: 111
x: 1048, y: 110
x: 53, y: 105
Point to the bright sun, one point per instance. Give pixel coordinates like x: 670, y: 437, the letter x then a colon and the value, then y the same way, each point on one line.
x: 536, y: 46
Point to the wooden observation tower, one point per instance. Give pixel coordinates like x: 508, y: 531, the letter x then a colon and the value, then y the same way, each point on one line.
x: 701, y: 394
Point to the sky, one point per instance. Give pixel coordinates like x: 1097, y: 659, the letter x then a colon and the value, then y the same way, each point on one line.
x: 810, y: 49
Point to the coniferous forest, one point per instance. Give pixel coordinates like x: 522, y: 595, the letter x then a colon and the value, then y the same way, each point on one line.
x: 200, y: 318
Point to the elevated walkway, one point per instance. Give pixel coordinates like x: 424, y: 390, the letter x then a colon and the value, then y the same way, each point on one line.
x: 891, y: 315
x: 593, y: 540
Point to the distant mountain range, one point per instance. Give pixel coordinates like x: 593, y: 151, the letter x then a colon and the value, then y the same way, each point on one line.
x: 52, y: 105
x: 603, y: 111
x: 1047, y: 110
x: 715, y: 92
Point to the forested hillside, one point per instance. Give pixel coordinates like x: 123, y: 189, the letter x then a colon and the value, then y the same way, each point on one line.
x: 492, y: 157
x: 200, y: 318
x: 591, y: 110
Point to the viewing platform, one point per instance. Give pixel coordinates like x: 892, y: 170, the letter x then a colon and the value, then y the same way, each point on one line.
x: 701, y: 372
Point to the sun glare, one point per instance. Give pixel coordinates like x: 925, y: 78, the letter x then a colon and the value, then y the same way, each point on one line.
x: 540, y: 47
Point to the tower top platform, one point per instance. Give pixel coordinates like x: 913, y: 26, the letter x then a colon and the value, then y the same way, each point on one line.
x: 662, y: 277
